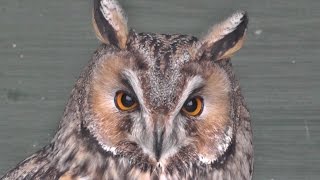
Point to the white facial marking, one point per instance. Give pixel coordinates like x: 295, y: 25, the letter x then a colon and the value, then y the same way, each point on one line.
x: 222, y: 147
x: 194, y: 83
x: 135, y: 83
x: 93, y: 127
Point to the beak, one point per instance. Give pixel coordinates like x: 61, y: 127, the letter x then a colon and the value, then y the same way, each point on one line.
x: 158, y: 134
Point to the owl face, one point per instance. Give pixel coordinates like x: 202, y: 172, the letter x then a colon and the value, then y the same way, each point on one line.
x: 162, y: 98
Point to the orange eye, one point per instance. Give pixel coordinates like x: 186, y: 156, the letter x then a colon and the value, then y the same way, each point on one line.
x: 193, y: 106
x: 125, y: 102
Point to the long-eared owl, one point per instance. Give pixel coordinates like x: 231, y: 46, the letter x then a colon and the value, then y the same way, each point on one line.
x: 152, y: 106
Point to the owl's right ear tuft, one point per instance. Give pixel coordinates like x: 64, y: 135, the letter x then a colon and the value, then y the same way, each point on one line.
x: 110, y: 23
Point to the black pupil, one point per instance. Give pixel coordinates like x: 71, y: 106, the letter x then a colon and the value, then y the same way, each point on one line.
x: 127, y: 100
x: 190, y: 105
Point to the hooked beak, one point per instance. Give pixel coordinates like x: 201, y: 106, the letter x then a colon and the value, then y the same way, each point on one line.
x: 158, y: 134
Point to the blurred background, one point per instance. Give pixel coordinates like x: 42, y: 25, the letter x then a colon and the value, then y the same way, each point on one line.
x: 44, y: 45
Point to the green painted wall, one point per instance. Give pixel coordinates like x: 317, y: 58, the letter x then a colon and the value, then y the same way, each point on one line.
x: 44, y: 44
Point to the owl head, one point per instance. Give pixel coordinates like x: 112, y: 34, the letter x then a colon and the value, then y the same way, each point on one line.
x: 159, y: 99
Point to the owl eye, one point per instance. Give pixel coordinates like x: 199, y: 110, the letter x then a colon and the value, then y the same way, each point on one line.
x: 125, y: 102
x: 193, y: 106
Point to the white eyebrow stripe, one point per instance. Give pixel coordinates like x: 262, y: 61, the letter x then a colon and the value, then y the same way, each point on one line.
x: 136, y: 86
x: 194, y: 83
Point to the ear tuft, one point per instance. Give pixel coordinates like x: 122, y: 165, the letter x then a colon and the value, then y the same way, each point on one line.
x: 226, y: 38
x: 110, y: 23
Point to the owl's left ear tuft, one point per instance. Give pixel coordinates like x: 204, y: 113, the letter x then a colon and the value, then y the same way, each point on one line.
x: 110, y: 23
x: 225, y: 38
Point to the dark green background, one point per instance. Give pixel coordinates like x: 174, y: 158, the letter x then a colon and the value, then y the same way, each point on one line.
x: 44, y: 44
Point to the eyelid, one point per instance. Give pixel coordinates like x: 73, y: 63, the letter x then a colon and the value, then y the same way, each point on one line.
x: 130, y: 93
x: 196, y: 92
x: 127, y: 86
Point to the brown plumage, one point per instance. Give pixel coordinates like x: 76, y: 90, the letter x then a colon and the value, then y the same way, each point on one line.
x: 152, y: 106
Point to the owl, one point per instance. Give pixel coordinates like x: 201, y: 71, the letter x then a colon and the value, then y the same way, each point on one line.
x: 152, y: 106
